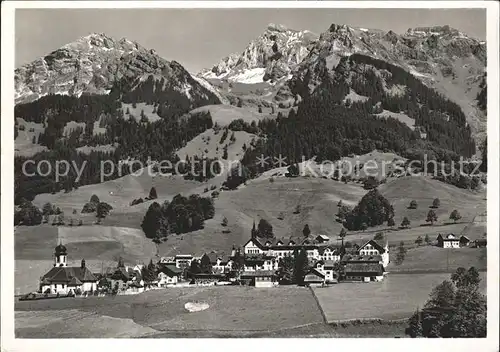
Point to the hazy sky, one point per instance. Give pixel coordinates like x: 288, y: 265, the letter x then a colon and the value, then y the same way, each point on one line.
x: 199, y: 38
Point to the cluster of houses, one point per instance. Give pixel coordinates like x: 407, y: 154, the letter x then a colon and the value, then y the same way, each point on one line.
x: 259, y: 263
x: 256, y: 264
x: 452, y: 241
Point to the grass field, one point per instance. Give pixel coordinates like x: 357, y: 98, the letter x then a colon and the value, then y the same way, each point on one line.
x: 120, y: 192
x: 208, y: 144
x: 261, y: 198
x: 352, y: 310
x: 223, y: 115
x: 233, y: 310
x: 396, y: 297
x: 440, y: 259
x: 318, y: 199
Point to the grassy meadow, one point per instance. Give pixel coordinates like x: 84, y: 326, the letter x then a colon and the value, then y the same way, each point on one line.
x: 396, y: 297
x: 232, y: 310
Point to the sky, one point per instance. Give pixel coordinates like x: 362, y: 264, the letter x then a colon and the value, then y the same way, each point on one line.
x: 199, y: 38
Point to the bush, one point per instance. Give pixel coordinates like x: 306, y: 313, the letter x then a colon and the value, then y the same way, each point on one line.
x: 379, y: 236
x: 90, y: 207
x: 436, y: 203
x: 405, y: 223
x: 136, y: 201
x: 152, y: 193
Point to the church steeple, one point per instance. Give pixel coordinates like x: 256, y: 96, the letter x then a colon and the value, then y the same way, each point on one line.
x: 60, y: 255
x: 254, y: 231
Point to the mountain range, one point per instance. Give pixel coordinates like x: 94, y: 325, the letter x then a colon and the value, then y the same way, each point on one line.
x: 86, y: 95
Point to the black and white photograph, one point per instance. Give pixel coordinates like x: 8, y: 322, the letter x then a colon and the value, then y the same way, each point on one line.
x: 217, y: 170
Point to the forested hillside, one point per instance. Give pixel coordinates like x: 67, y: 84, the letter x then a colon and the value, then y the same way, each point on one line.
x: 328, y: 127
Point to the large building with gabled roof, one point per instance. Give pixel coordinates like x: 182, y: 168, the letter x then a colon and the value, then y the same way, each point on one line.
x: 64, y: 279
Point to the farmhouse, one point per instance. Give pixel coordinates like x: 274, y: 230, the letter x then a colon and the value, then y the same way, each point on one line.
x: 183, y: 261
x: 327, y: 269
x: 314, y: 278
x: 464, y: 240
x: 260, y: 278
x: 365, y: 272
x: 373, y: 248
x: 450, y: 241
x: 258, y: 262
x: 330, y: 253
x: 207, y: 279
x: 322, y: 238
x: 123, y: 278
x: 168, y: 274
x: 64, y: 279
x: 220, y: 263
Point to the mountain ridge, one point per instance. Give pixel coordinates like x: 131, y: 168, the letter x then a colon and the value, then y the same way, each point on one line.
x: 271, y: 56
x: 93, y: 64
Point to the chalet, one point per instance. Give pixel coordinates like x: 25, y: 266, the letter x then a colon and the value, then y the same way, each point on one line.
x: 372, y: 248
x: 183, y: 261
x: 64, y: 279
x: 260, y: 278
x: 207, y: 279
x: 314, y: 278
x: 364, y: 272
x: 169, y: 274
x: 464, y: 241
x: 135, y: 287
x: 449, y: 241
x: 329, y: 253
x: 327, y: 269
x: 120, y: 278
x: 322, y: 238
x: 258, y: 262
x: 220, y: 263
x: 253, y: 246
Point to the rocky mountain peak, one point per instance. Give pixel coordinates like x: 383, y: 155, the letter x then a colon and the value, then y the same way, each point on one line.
x: 93, y: 63
x: 90, y: 64
x: 270, y: 57
x: 435, y: 30
x: 272, y: 27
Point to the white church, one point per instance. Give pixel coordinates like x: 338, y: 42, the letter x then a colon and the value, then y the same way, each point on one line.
x: 64, y: 279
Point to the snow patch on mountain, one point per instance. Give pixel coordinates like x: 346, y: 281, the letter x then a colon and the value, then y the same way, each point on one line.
x: 250, y: 76
x: 270, y: 57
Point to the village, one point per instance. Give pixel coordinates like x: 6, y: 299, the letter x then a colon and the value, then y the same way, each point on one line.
x: 260, y: 262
